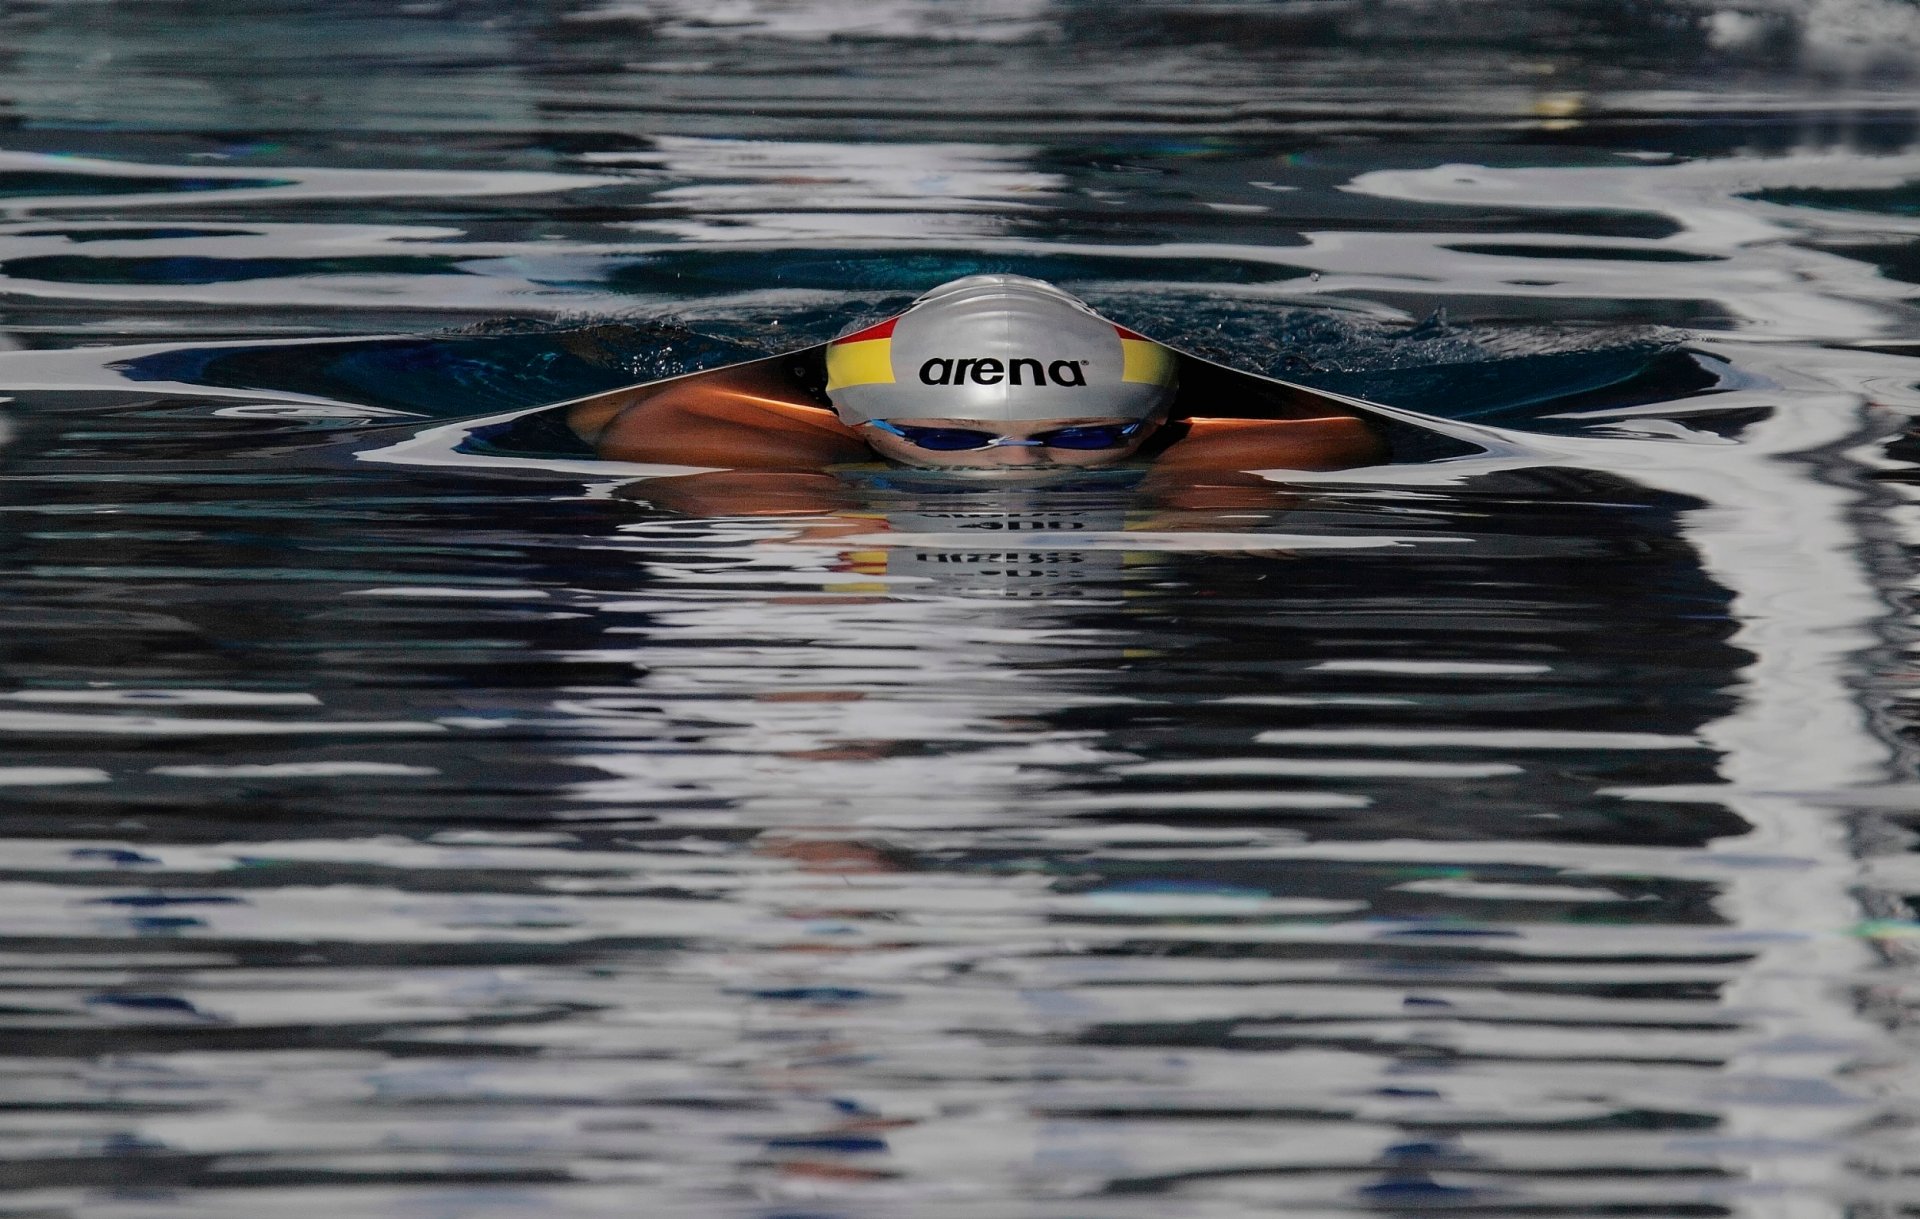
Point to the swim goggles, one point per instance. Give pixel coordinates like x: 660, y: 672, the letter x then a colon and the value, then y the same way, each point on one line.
x: 960, y: 439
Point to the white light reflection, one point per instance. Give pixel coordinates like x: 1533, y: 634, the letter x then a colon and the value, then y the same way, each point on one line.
x: 770, y: 716
x: 986, y: 21
x: 1778, y: 532
x: 753, y: 190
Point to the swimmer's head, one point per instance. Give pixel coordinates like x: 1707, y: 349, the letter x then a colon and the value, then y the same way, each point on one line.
x: 999, y: 349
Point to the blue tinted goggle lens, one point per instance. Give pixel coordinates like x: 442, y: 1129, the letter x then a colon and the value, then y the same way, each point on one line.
x: 944, y: 439
x: 1105, y: 436
x: 955, y: 440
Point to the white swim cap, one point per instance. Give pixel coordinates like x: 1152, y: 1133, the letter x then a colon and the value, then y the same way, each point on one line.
x: 998, y: 347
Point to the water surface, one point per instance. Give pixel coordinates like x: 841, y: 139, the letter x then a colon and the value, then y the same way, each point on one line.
x: 400, y: 831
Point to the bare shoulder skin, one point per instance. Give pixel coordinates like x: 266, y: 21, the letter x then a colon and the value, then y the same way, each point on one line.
x: 749, y: 417
x: 1323, y: 442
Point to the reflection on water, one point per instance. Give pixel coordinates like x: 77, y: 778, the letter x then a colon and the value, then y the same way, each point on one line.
x: 403, y: 820
x: 1006, y: 846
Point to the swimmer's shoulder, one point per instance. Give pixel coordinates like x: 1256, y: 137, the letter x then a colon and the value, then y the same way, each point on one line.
x: 749, y: 416
x: 1326, y: 441
x: 782, y: 385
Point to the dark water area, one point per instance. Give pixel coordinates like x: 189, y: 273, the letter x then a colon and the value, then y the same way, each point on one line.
x: 403, y: 819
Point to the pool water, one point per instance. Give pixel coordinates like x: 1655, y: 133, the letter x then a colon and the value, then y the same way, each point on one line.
x: 399, y: 822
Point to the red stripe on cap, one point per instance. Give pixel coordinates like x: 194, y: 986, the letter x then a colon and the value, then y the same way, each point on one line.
x: 1128, y: 334
x: 882, y: 331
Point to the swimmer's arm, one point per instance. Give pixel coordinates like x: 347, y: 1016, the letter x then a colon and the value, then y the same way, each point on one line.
x: 750, y: 417
x: 1329, y: 442
x: 1207, y: 470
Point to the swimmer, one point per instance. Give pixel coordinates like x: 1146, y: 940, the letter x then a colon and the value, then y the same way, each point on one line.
x: 991, y: 374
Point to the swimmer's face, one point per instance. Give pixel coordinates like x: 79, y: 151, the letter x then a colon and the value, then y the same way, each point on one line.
x: 1006, y: 456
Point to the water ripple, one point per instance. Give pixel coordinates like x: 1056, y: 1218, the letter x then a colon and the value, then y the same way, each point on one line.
x: 397, y: 825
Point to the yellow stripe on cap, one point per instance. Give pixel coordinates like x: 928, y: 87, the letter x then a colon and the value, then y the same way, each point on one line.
x: 869, y: 363
x: 862, y: 358
x: 1145, y: 361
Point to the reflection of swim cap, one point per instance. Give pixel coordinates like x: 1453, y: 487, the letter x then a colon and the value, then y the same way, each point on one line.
x: 997, y: 347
